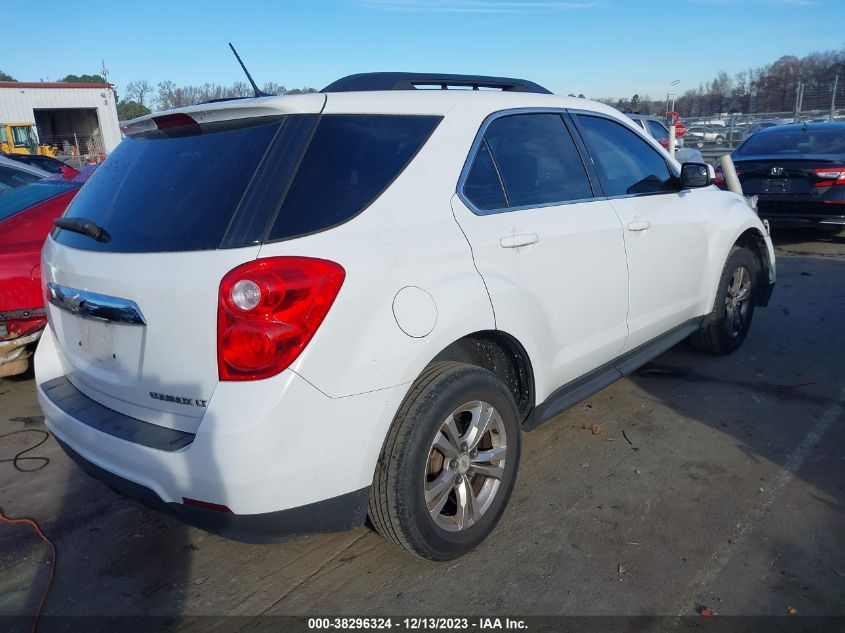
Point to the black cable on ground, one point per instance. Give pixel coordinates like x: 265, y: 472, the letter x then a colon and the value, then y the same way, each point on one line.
x: 15, y: 461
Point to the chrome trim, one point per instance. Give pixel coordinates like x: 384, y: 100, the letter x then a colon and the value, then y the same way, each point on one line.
x: 90, y: 305
x: 473, y: 151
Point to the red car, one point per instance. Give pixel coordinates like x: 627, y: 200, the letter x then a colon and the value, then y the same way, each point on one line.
x: 26, y: 218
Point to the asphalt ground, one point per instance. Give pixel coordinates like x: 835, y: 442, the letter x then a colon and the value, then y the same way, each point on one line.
x: 700, y: 482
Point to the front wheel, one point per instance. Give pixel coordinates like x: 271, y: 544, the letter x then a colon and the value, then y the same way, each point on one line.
x: 448, y: 464
x: 725, y: 328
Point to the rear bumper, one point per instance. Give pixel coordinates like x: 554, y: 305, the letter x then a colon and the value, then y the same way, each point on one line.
x: 282, y: 456
x: 800, y: 211
x: 340, y: 513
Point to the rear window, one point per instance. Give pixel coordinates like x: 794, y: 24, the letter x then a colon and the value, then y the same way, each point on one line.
x: 24, y: 197
x: 225, y: 188
x: 795, y: 141
x: 170, y: 194
x: 12, y: 178
x: 350, y: 161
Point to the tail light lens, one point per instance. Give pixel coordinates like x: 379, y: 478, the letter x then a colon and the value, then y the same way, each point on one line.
x: 720, y: 177
x: 830, y: 176
x: 268, y: 311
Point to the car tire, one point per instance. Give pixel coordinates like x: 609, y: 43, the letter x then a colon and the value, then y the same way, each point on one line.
x: 440, y: 448
x: 720, y: 140
x: 725, y: 328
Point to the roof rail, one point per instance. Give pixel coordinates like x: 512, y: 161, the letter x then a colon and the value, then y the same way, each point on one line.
x: 412, y: 81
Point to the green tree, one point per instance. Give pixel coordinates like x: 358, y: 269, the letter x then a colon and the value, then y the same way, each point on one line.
x: 6, y: 77
x: 635, y: 102
x: 128, y: 109
x: 83, y: 79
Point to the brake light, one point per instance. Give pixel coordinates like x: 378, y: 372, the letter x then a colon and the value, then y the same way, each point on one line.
x: 170, y: 121
x: 720, y: 177
x: 830, y: 176
x: 268, y: 311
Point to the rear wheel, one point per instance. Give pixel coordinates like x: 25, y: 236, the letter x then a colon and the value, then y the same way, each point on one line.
x: 725, y: 328
x: 448, y: 464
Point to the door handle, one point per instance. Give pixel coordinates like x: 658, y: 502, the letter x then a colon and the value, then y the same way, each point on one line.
x: 515, y: 241
x: 641, y: 225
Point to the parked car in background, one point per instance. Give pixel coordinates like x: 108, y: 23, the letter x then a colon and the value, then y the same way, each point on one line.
x: 47, y: 163
x: 14, y: 174
x: 700, y: 135
x: 658, y: 130
x: 797, y: 172
x: 26, y: 217
x: 761, y: 125
x: 274, y: 316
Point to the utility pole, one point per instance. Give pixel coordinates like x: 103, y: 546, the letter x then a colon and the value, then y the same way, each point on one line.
x: 833, y: 97
x: 799, y: 94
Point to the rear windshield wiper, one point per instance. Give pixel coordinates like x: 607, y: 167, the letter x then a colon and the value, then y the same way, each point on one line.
x: 84, y: 226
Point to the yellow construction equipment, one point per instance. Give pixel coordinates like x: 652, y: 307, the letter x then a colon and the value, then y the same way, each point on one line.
x: 21, y: 138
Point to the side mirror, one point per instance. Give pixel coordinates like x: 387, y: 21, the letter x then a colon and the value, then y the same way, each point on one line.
x: 695, y: 175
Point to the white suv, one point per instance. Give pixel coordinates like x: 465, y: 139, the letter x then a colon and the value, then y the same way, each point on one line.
x: 281, y: 315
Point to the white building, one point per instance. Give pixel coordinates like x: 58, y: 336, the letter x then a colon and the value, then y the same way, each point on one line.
x: 66, y: 115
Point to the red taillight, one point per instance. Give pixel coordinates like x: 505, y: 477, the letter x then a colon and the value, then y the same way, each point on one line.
x: 268, y: 311
x: 830, y: 176
x: 720, y: 177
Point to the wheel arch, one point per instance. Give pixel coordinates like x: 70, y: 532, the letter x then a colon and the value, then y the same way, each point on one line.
x: 503, y: 355
x: 753, y: 240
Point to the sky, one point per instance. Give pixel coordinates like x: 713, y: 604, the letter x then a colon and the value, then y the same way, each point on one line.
x: 602, y: 48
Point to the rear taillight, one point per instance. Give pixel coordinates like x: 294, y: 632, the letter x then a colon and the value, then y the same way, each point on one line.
x: 720, y: 177
x: 830, y: 176
x: 268, y: 311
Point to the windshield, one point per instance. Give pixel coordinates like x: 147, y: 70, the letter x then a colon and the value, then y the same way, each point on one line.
x: 24, y: 136
x: 24, y: 197
x: 795, y: 141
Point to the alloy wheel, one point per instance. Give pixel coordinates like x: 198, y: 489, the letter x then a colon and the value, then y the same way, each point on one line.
x: 465, y: 466
x: 737, y: 301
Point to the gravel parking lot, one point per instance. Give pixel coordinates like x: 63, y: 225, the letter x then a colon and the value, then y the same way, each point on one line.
x: 700, y: 481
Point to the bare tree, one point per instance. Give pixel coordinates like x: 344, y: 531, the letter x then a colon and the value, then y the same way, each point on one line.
x: 139, y: 91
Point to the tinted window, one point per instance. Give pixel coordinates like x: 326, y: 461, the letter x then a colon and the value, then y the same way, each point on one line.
x: 11, y: 178
x: 25, y: 197
x: 627, y: 163
x: 170, y: 194
x: 538, y: 160
x: 795, y: 141
x: 658, y: 131
x: 482, y: 185
x: 350, y: 161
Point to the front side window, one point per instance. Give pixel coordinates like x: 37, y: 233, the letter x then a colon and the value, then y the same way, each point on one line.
x: 627, y: 164
x: 537, y: 159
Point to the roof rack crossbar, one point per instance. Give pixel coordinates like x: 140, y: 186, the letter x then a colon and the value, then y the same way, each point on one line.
x: 366, y: 82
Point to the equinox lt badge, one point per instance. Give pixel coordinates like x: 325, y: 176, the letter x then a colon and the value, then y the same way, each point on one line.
x: 177, y: 399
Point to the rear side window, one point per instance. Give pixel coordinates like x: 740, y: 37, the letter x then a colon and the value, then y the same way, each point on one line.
x: 627, y: 164
x: 537, y: 159
x: 22, y: 198
x: 350, y: 161
x: 482, y: 185
x: 12, y: 178
x: 176, y: 193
